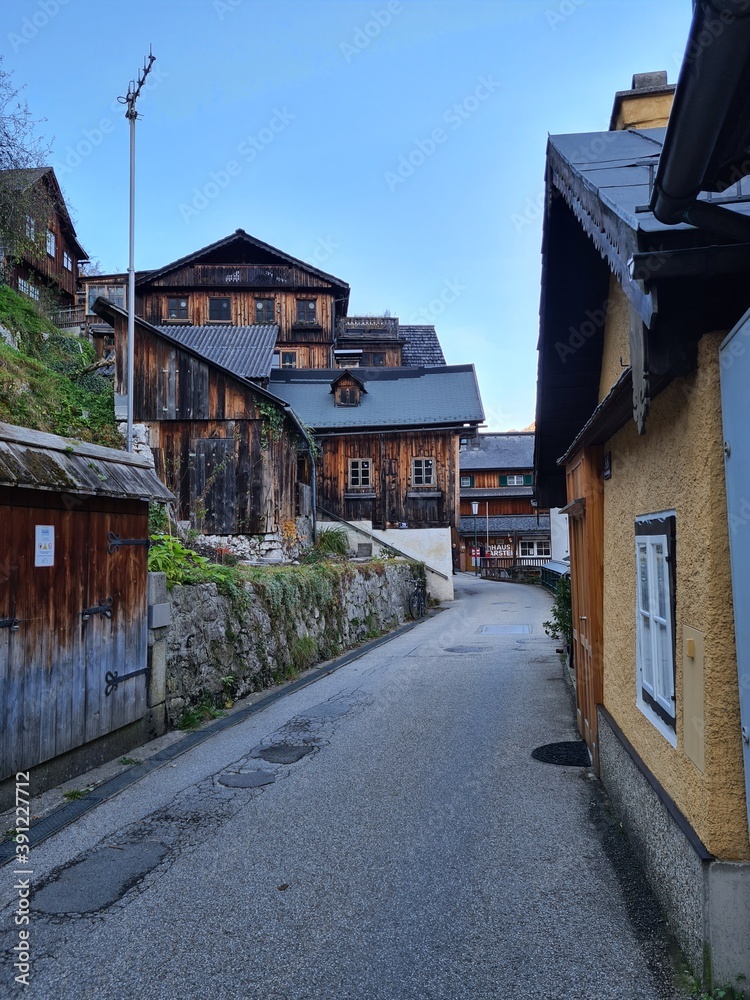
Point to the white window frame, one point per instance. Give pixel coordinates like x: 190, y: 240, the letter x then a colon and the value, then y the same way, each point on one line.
x: 654, y: 621
x: 361, y: 470
x: 51, y: 243
x: 67, y: 261
x: 466, y: 482
x: 30, y: 227
x: 514, y: 480
x: 426, y: 474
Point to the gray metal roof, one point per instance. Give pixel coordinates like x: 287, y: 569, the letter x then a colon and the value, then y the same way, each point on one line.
x: 38, y: 461
x: 244, y: 350
x: 505, y: 524
x: 421, y: 348
x: 496, y: 492
x: 396, y: 397
x: 498, y: 451
x: 618, y: 167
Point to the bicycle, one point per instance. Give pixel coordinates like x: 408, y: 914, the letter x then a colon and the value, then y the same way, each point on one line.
x: 418, y: 601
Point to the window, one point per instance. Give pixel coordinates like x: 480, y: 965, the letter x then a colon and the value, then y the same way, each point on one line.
x: 288, y: 359
x: 219, y: 310
x: 51, y: 243
x: 467, y: 481
x: 515, y: 480
x: 306, y: 311
x: 655, y: 618
x: 534, y: 548
x: 30, y: 227
x: 177, y: 308
x: 423, y: 471
x: 375, y: 359
x: 67, y: 261
x: 115, y: 294
x: 26, y: 288
x: 360, y: 472
x: 347, y: 395
x: 264, y: 311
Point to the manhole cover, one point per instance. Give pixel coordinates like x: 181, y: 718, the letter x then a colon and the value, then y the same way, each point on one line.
x: 466, y: 649
x: 573, y: 753
x: 504, y: 629
x: 285, y: 753
x: 247, y: 779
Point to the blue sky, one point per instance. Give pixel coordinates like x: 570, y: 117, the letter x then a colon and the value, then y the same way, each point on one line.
x: 398, y: 144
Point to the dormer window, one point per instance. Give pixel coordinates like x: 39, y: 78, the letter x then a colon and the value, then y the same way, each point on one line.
x: 347, y: 389
x: 347, y: 395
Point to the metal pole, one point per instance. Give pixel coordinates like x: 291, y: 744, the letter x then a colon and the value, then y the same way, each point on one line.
x: 134, y: 90
x: 132, y: 115
x: 476, y: 556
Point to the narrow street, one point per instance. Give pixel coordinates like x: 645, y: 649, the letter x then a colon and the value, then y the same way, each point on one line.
x: 415, y: 851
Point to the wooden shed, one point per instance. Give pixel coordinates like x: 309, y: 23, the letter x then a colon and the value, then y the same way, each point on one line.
x: 73, y: 577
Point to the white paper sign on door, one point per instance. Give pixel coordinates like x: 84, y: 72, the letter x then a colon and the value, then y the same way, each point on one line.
x: 45, y: 545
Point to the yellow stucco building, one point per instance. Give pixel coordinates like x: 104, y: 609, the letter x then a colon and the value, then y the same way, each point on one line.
x: 630, y: 444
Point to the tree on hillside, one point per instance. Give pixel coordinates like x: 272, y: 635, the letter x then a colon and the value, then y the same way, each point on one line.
x: 25, y: 205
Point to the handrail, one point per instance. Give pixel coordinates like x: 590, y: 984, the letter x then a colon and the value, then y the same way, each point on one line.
x: 386, y: 545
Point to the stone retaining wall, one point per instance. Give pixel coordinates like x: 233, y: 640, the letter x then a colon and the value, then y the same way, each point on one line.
x: 286, y: 620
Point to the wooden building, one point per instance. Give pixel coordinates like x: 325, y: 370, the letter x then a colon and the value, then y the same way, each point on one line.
x: 389, y: 439
x: 42, y: 253
x: 73, y: 621
x: 512, y: 532
x: 233, y: 453
x: 641, y: 432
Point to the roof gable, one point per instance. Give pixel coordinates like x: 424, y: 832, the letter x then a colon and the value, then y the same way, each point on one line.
x: 241, y: 248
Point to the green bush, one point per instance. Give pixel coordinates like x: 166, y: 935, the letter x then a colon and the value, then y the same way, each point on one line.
x: 561, y: 625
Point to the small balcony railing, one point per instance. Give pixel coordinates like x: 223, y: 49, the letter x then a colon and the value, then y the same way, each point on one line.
x: 65, y: 319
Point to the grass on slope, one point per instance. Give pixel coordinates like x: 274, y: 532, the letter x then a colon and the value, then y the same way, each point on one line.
x: 43, y: 384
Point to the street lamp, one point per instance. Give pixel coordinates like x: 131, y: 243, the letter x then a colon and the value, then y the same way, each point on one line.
x: 475, y: 511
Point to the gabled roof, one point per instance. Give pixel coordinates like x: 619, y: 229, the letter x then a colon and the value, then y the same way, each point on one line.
x: 108, y: 311
x: 396, y: 397
x: 498, y: 451
x: 38, y: 461
x: 22, y: 178
x: 262, y: 253
x: 348, y: 374
x: 421, y: 347
x: 246, y: 351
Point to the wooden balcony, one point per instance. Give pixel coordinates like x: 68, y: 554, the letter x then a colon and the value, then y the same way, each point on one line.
x: 65, y: 319
x: 242, y: 276
x: 510, y: 567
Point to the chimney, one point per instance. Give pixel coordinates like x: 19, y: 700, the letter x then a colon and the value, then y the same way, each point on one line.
x: 646, y: 105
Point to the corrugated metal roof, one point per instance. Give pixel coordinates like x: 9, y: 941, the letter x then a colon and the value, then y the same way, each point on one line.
x: 472, y: 493
x: 396, y: 397
x: 421, y: 348
x: 505, y: 524
x: 245, y: 350
x: 38, y: 461
x: 498, y: 451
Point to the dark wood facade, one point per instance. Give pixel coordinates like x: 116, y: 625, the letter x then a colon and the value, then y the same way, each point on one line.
x: 227, y: 449
x: 72, y: 604
x: 45, y: 262
x: 393, y: 493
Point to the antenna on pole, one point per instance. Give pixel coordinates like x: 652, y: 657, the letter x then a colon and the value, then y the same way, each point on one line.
x: 134, y: 90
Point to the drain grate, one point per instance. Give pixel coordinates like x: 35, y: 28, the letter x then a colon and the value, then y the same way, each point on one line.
x: 285, y: 753
x: 572, y: 753
x: 504, y: 629
x: 466, y: 649
x: 247, y: 779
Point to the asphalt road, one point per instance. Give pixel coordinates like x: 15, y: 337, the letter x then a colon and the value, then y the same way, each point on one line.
x: 416, y: 850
